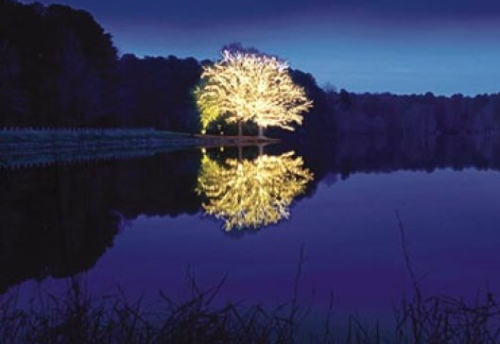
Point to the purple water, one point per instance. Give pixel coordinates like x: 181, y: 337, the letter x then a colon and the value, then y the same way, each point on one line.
x: 351, y: 239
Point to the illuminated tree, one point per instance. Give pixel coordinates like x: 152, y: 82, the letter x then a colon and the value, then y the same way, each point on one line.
x: 250, y: 86
x: 252, y: 194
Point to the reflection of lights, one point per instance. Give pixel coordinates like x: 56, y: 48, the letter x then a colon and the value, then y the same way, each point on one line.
x: 250, y: 87
x: 252, y: 193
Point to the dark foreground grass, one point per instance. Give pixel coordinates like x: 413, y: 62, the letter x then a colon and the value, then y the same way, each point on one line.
x: 77, y: 317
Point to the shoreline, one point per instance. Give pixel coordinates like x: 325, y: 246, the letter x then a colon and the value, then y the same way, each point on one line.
x: 23, y: 147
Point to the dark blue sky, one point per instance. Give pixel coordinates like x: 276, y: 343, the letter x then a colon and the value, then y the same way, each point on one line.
x: 401, y: 46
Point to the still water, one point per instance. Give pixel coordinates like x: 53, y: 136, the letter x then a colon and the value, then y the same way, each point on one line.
x: 141, y: 224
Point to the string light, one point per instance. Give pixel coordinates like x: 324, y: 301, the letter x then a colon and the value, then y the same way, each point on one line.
x: 250, y: 87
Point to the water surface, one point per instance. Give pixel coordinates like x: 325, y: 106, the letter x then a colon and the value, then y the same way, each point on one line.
x: 142, y: 223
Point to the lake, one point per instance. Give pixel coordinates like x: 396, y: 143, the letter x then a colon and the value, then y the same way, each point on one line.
x: 325, y: 216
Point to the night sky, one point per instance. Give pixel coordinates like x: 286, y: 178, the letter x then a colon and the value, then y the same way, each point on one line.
x: 400, y: 46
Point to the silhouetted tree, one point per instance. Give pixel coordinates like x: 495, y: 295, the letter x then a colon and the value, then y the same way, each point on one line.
x: 156, y: 92
x: 12, y: 98
x: 61, y: 63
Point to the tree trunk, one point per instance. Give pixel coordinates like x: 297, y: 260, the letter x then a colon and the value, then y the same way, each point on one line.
x: 240, y: 129
x: 261, y: 131
x: 261, y: 149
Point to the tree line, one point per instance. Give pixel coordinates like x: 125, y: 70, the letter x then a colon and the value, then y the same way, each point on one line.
x: 416, y: 114
x: 60, y: 68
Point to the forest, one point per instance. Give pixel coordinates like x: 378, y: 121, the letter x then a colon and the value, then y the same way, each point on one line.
x: 60, y: 68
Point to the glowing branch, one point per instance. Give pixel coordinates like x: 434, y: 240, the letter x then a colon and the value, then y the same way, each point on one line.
x: 251, y: 87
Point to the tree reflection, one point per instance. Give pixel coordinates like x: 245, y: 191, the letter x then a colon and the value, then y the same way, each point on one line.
x: 252, y: 194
